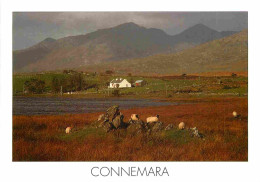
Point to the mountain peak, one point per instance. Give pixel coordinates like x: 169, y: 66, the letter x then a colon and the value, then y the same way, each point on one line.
x: 49, y: 39
x: 124, y: 41
x: 200, y: 27
x: 45, y: 43
x: 130, y: 25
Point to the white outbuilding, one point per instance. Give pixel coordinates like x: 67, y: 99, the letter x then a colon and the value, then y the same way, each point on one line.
x: 119, y: 83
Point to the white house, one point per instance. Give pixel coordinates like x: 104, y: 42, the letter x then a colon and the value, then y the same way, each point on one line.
x: 119, y: 83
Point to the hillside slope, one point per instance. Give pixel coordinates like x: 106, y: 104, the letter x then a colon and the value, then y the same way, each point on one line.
x: 125, y: 41
x: 226, y: 54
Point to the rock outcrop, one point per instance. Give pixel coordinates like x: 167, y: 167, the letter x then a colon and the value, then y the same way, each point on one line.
x: 195, y: 133
x: 118, y: 121
x: 169, y: 127
x: 113, y: 120
x: 155, y: 126
x: 136, y: 127
x: 111, y: 113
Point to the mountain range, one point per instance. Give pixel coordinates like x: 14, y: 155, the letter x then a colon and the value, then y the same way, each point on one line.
x: 127, y: 41
x: 228, y: 54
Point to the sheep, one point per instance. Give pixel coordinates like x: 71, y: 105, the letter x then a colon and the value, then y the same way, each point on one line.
x: 134, y: 117
x: 152, y: 119
x: 181, y: 125
x: 235, y: 115
x: 68, y: 130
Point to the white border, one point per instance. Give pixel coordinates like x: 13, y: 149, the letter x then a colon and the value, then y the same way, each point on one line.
x: 80, y: 171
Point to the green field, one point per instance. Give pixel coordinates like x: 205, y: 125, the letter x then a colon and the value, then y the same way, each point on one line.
x: 156, y: 86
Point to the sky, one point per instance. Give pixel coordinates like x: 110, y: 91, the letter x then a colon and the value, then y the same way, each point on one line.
x: 30, y: 28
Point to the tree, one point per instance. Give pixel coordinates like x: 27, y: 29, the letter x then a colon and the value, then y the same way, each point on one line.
x: 76, y: 82
x: 132, y: 81
x: 109, y: 72
x: 71, y: 83
x: 116, y: 93
x: 65, y: 71
x: 55, y: 84
x: 104, y: 81
x: 184, y: 75
x: 35, y: 86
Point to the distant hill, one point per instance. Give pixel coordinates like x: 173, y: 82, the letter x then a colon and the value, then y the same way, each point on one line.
x: 226, y: 54
x: 125, y: 41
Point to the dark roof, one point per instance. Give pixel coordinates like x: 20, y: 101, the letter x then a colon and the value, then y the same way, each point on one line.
x: 117, y: 80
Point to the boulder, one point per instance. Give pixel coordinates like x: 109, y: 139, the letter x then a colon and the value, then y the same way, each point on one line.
x: 101, y: 117
x: 169, y: 127
x: 195, y: 133
x: 118, y: 121
x: 113, y: 119
x: 107, y: 126
x: 136, y: 127
x: 156, y: 126
x: 111, y: 113
x: 99, y: 122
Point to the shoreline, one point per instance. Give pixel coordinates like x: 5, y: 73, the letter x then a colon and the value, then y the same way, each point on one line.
x: 174, y: 101
x: 42, y: 138
x: 170, y: 101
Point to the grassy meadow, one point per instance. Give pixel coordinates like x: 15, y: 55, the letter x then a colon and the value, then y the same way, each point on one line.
x: 156, y: 87
x: 43, y: 138
x: 210, y: 103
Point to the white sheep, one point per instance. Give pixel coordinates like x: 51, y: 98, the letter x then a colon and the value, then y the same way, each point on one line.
x: 68, y: 130
x: 152, y: 119
x: 134, y: 117
x: 234, y: 114
x: 181, y: 125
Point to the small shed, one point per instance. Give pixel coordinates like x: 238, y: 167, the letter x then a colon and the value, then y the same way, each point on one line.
x: 139, y: 83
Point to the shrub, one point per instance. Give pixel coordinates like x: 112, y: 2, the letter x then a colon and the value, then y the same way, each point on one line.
x: 188, y: 90
x: 234, y: 75
x: 184, y: 75
x: 226, y: 87
x: 116, y: 93
x: 109, y: 72
x: 35, y: 86
x: 169, y: 95
x: 56, y: 84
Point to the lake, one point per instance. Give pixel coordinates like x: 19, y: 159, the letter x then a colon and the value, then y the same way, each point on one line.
x: 59, y: 105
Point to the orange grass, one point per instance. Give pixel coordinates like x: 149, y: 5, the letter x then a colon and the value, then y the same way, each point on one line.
x: 43, y: 138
